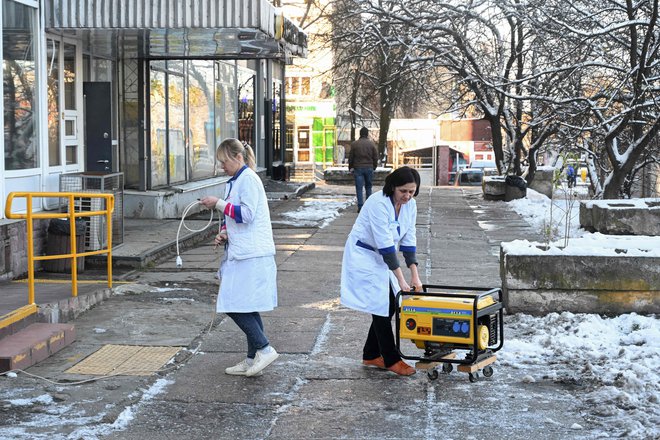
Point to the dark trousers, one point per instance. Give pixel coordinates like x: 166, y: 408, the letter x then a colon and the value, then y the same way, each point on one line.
x: 363, y: 179
x: 253, y: 327
x: 380, y: 340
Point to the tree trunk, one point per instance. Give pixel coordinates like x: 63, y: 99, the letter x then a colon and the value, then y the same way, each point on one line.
x: 384, y: 121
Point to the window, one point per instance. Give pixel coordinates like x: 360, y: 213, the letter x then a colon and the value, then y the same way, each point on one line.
x: 53, y: 72
x: 20, y: 94
x: 298, y: 85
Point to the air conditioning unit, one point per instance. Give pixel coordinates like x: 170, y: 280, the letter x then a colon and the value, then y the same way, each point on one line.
x: 96, y: 236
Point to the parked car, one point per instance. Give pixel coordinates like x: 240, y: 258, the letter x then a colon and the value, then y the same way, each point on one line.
x: 469, y: 177
x: 489, y: 167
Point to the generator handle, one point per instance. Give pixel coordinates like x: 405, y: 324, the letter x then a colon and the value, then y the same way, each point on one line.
x: 442, y: 286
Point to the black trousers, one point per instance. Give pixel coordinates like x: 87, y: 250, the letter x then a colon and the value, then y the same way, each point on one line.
x: 380, y: 340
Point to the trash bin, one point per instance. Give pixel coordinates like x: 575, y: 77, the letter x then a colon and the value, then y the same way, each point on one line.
x: 280, y: 172
x: 515, y: 188
x: 59, y: 242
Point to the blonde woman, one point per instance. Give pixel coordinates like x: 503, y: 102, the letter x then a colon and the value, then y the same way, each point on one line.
x: 248, y: 272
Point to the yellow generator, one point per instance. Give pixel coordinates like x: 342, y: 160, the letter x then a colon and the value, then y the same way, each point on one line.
x: 448, y: 321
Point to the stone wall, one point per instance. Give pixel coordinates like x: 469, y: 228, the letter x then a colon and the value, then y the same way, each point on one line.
x: 13, y: 247
x: 541, y: 284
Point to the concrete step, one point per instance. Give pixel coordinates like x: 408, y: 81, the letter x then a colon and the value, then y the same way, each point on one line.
x: 33, y: 344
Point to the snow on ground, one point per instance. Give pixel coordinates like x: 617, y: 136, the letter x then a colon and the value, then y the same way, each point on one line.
x: 319, y: 211
x: 553, y: 218
x: 558, y: 221
x: 84, y: 425
x: 615, y: 360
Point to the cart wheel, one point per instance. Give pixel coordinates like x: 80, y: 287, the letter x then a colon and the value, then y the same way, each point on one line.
x: 447, y: 367
x: 473, y: 377
x: 432, y: 374
x: 488, y: 371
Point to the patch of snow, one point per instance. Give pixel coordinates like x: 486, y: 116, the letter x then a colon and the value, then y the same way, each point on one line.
x: 170, y: 289
x: 44, y: 399
x: 616, y: 359
x: 125, y: 416
x: 541, y: 212
x: 317, y: 212
x: 590, y: 244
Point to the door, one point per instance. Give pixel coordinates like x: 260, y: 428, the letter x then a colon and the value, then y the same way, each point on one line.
x: 98, y: 126
x: 303, y: 144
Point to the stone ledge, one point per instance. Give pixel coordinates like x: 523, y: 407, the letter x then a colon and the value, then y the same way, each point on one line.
x: 70, y: 308
x: 341, y: 176
x: 540, y: 284
x: 493, y: 187
x: 621, y: 217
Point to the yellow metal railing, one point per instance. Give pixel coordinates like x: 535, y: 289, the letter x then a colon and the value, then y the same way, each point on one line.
x: 71, y: 214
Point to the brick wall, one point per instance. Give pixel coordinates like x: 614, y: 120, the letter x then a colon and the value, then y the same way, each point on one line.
x: 13, y: 247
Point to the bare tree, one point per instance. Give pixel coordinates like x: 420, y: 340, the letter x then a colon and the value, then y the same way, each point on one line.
x: 620, y: 85
x: 375, y: 62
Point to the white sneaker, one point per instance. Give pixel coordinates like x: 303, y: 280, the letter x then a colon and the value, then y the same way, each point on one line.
x: 264, y: 358
x: 239, y: 369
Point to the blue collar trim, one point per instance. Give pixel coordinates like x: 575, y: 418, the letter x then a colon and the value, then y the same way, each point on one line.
x: 238, y: 173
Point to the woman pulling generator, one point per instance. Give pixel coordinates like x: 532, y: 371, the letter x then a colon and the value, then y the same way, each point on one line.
x: 371, y: 274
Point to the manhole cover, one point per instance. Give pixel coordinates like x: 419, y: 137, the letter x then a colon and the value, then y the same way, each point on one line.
x: 127, y: 360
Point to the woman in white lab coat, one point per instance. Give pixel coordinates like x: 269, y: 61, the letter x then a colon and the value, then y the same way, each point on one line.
x: 248, y: 272
x: 371, y: 274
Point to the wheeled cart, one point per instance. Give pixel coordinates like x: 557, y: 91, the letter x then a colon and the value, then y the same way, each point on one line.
x: 460, y: 326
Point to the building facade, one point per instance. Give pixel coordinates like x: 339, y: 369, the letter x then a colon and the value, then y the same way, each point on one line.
x: 146, y: 89
x: 311, y: 132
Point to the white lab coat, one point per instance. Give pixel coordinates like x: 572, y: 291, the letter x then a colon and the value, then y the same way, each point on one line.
x: 365, y: 278
x: 248, y: 272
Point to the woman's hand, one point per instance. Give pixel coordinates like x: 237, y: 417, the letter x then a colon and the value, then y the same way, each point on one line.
x: 417, y: 284
x: 209, y: 201
x: 220, y: 239
x: 404, y: 286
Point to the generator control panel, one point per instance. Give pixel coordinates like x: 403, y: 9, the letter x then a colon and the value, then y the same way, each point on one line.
x: 451, y: 327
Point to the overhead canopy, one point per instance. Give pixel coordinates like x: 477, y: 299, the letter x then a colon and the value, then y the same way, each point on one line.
x: 182, y: 28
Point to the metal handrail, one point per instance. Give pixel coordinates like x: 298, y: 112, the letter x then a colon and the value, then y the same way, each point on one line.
x: 72, y: 214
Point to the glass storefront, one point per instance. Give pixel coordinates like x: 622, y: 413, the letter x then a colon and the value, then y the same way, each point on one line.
x: 246, y: 79
x: 201, y: 103
x: 19, y: 70
x: 176, y: 125
x: 158, y: 125
x: 225, y: 103
x: 277, y: 112
x: 192, y: 109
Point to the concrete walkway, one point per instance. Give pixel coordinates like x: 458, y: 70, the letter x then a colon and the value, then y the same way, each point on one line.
x: 317, y: 388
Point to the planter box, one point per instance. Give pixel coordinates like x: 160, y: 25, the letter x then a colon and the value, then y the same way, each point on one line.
x: 621, y: 217
x: 612, y: 281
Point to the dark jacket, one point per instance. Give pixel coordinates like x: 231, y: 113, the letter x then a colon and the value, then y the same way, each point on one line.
x: 363, y: 154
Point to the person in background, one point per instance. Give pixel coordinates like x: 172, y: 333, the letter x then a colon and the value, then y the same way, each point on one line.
x: 370, y: 273
x: 362, y: 161
x: 571, y: 177
x: 248, y: 272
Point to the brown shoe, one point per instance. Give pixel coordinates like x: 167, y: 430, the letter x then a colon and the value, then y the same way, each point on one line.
x: 378, y: 362
x: 402, y: 369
